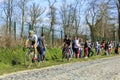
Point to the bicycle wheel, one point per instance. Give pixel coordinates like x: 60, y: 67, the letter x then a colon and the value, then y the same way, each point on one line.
x: 28, y: 59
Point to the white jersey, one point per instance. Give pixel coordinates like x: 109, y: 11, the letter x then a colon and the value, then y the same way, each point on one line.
x: 77, y: 43
x: 32, y: 39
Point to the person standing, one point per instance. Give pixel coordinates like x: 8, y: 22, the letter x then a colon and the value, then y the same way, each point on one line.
x: 70, y: 46
x: 86, y: 49
x: 110, y: 47
x: 97, y: 48
x: 102, y: 46
x: 44, y: 46
x: 73, y: 44
x: 76, y: 47
x: 81, y: 47
x: 90, y: 51
x: 106, y: 48
x: 41, y: 47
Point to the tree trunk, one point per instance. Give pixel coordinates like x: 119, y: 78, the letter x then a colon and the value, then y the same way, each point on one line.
x: 119, y: 24
x: 92, y: 33
x: 7, y: 25
x: 10, y: 16
x: 118, y: 6
x: 22, y: 29
x: 10, y: 25
x: 76, y: 31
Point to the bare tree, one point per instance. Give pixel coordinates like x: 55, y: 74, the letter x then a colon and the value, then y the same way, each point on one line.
x: 22, y: 5
x: 99, y: 19
x: 8, y: 10
x: 52, y: 17
x: 92, y: 13
x: 71, y: 17
x: 68, y: 14
x: 118, y: 7
x: 52, y: 14
x: 103, y: 17
x: 63, y: 14
x: 35, y: 12
x: 77, y: 16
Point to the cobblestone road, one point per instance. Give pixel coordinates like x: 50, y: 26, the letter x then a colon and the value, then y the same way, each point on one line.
x: 103, y: 69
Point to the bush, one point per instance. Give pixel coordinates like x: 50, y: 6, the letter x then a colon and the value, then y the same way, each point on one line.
x: 54, y: 53
x: 12, y: 57
x: 16, y: 56
x: 8, y: 41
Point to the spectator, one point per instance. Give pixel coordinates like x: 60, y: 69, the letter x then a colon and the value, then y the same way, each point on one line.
x: 116, y: 49
x: 90, y: 51
x: 41, y: 48
x: 97, y: 48
x: 70, y: 47
x: 81, y: 48
x: 44, y: 46
x: 109, y: 48
x: 73, y: 44
x: 102, y: 46
x: 106, y: 48
x: 86, y: 49
x: 76, y: 46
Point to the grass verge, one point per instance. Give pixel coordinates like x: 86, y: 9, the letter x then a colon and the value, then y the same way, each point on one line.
x: 53, y: 55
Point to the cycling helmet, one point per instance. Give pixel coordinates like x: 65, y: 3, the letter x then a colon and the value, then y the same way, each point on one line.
x: 31, y: 31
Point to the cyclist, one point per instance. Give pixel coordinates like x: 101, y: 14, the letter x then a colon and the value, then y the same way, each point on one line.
x: 31, y: 42
x: 66, y: 53
x: 66, y: 42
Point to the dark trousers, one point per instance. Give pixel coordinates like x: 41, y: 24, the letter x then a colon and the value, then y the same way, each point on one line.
x: 40, y: 53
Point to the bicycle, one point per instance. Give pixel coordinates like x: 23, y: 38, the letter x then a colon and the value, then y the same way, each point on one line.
x: 28, y: 57
x: 66, y: 53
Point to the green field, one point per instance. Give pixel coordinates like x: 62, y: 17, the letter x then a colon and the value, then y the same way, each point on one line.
x: 12, y: 60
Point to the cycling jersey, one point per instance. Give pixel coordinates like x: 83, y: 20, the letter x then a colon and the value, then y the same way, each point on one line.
x: 67, y: 41
x: 32, y: 40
